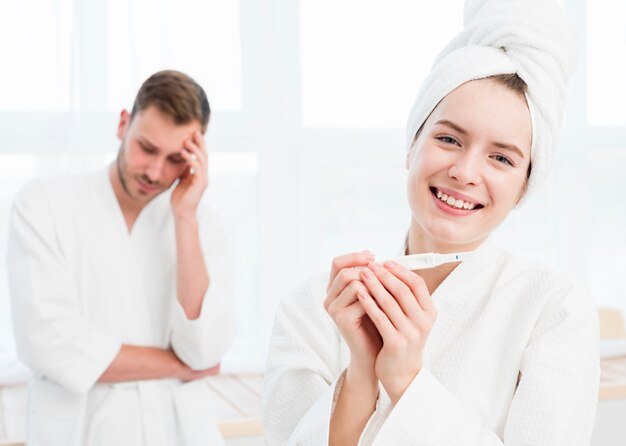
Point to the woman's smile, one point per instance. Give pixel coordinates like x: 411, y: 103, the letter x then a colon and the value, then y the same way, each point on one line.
x: 454, y: 202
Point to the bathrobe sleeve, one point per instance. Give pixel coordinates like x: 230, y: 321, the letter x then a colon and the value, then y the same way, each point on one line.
x: 53, y: 337
x: 303, y: 373
x: 554, y: 404
x: 201, y: 342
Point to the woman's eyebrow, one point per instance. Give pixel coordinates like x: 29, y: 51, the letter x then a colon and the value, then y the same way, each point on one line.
x: 452, y: 125
x: 511, y: 147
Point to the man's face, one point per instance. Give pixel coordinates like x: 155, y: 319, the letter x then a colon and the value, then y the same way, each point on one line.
x: 149, y: 160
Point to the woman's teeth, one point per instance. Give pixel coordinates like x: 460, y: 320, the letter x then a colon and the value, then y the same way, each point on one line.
x: 452, y: 202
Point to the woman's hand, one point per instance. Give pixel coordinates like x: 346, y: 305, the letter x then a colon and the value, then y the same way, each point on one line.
x: 343, y: 306
x: 399, y: 305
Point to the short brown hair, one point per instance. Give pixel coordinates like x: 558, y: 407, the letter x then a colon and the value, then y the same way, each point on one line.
x: 176, y: 95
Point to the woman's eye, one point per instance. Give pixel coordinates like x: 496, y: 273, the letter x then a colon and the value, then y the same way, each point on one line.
x: 146, y: 149
x: 448, y: 140
x: 177, y: 160
x: 502, y: 159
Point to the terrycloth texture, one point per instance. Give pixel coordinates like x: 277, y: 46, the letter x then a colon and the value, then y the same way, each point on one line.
x: 81, y: 286
x: 529, y: 37
x: 499, y: 318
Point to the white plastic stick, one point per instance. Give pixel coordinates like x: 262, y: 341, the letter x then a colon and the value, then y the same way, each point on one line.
x: 430, y: 259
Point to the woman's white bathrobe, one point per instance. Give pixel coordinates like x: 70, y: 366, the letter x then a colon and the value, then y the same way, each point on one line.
x: 81, y: 286
x: 500, y: 319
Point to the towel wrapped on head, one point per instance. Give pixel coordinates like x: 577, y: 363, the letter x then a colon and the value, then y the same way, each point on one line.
x: 529, y: 37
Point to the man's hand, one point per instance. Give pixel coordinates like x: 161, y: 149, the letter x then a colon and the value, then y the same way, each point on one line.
x: 194, y: 181
x: 135, y: 363
x: 193, y: 375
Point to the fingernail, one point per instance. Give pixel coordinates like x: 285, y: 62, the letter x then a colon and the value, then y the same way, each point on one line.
x: 367, y: 273
x: 375, y: 266
x: 390, y: 264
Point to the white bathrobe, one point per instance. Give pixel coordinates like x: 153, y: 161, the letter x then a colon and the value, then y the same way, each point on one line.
x: 81, y: 286
x: 500, y: 319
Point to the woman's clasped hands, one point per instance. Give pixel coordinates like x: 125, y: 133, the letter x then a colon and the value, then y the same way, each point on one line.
x: 384, y: 313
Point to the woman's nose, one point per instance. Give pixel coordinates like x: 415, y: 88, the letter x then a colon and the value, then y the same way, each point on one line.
x: 466, y: 168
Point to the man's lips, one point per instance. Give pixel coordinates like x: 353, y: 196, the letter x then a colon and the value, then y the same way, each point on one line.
x: 146, y: 187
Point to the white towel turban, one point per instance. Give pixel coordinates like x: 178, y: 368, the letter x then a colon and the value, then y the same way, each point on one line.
x: 529, y: 37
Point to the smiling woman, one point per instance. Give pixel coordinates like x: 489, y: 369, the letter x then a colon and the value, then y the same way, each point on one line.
x: 488, y: 351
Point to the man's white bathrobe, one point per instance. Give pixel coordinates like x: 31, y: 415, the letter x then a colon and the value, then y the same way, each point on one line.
x: 81, y: 286
x: 500, y: 319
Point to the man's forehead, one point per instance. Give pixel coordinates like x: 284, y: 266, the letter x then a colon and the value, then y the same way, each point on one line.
x: 162, y: 132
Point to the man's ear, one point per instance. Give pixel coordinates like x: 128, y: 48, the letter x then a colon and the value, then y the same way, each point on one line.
x: 123, y: 124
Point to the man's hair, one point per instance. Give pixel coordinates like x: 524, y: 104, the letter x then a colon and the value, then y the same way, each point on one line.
x: 176, y: 95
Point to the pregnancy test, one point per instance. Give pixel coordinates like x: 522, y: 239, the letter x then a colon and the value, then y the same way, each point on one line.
x: 430, y: 259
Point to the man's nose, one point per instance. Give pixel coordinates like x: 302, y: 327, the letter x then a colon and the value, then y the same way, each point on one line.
x: 154, y: 170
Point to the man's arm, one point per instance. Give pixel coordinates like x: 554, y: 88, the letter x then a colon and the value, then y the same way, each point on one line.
x: 203, y: 314
x: 192, y: 278
x: 191, y: 275
x: 134, y: 363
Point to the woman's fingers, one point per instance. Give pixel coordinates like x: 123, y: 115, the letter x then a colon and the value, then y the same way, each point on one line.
x: 377, y: 316
x: 387, y: 302
x: 344, y: 278
x: 415, y: 283
x: 400, y: 291
x: 348, y: 261
x: 344, y: 298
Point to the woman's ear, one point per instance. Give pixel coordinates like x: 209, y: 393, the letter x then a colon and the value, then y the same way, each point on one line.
x: 522, y: 193
x: 525, y: 186
x: 410, y: 154
x: 409, y: 158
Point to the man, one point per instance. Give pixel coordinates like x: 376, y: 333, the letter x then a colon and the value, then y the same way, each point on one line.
x: 119, y: 285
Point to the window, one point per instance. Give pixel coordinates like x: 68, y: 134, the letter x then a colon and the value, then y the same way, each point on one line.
x: 310, y: 99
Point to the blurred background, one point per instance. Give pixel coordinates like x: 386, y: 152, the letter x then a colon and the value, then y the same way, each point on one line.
x: 309, y: 101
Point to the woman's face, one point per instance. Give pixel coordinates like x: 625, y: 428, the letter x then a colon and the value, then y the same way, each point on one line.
x: 468, y: 167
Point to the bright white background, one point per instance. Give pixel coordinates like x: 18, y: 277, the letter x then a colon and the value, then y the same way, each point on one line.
x: 309, y: 102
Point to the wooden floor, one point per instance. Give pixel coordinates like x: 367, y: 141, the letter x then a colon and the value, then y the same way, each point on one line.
x: 238, y: 403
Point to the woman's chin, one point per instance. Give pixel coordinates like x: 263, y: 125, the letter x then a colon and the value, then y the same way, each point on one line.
x: 448, y: 235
